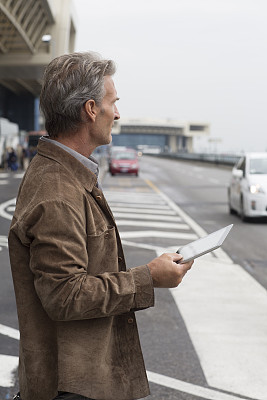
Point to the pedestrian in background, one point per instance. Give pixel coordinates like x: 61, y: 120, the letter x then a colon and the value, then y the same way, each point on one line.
x: 75, y: 297
x: 12, y: 159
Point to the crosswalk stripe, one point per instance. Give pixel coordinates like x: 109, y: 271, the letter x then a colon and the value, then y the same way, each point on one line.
x: 142, y: 209
x: 152, y: 224
x: 158, y: 234
x: 157, y: 217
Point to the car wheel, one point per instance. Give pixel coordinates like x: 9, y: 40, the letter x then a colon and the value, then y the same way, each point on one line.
x: 242, y: 211
x: 231, y: 210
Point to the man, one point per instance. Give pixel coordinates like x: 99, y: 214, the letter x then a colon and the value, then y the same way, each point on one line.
x: 75, y: 298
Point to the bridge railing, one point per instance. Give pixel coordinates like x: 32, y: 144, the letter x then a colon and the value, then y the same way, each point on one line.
x: 224, y: 159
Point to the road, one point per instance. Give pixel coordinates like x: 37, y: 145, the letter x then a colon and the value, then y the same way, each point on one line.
x: 207, y: 339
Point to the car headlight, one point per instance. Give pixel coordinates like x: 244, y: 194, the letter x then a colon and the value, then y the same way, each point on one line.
x: 114, y: 165
x: 134, y: 166
x: 256, y: 189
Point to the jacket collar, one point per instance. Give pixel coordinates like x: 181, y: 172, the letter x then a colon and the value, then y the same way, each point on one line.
x: 49, y: 150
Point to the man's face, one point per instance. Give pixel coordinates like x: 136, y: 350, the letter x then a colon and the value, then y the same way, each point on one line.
x: 107, y: 113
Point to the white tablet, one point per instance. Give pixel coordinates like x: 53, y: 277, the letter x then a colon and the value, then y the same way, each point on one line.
x: 204, y: 245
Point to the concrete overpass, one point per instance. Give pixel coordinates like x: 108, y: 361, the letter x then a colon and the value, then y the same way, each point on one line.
x: 159, y: 134
x: 32, y: 32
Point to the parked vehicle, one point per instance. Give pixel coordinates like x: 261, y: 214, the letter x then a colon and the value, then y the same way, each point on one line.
x: 247, y: 192
x: 124, y: 162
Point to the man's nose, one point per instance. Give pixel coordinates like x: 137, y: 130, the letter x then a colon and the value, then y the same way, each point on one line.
x: 116, y: 114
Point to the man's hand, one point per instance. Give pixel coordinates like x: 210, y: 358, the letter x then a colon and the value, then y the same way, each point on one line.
x: 166, y: 271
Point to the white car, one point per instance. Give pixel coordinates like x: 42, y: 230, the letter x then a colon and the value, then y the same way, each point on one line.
x: 247, y: 192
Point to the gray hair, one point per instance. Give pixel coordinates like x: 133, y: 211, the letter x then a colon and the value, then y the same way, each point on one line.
x: 69, y: 81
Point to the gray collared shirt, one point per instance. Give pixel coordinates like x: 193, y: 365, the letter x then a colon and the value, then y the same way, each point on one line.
x: 90, y: 163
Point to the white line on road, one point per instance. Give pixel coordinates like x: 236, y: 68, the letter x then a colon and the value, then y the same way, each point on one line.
x: 147, y: 217
x: 138, y: 205
x: 8, y: 365
x: 4, y: 205
x: 228, y: 327
x: 10, y: 332
x: 3, y: 242
x: 3, y: 182
x: 158, y: 234
x: 189, y: 388
x: 144, y: 210
x: 214, y: 180
x: 152, y: 224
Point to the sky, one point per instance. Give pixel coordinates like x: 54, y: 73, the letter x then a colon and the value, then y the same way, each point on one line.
x: 186, y: 60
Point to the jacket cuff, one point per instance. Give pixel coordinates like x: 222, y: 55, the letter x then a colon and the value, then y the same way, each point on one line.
x: 144, y: 290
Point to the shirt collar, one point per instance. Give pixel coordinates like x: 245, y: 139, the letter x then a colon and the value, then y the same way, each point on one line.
x: 90, y: 163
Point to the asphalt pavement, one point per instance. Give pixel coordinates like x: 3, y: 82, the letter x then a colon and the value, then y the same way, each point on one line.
x: 207, y: 339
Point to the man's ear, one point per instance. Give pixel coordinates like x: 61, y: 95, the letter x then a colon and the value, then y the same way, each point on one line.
x: 91, y: 110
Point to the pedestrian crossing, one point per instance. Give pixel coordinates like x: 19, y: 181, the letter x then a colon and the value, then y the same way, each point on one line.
x: 223, y: 292
x: 213, y: 299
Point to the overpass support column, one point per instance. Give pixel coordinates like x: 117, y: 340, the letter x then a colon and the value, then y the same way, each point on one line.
x: 173, y: 144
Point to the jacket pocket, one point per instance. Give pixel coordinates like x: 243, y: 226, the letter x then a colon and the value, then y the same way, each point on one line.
x: 102, y: 252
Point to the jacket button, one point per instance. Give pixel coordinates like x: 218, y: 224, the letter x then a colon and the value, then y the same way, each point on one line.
x: 130, y: 320
x: 106, y: 235
x: 98, y: 197
x: 120, y: 258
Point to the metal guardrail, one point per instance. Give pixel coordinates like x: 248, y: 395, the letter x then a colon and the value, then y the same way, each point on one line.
x: 223, y: 159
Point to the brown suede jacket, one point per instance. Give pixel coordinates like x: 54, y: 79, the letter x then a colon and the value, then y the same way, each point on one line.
x: 75, y: 298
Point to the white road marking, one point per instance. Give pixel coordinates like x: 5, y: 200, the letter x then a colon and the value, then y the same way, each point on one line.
x: 195, y: 227
x: 214, y: 180
x: 19, y: 175
x: 158, y: 234
x: 136, y: 208
x: 152, y: 224
x: 11, y: 208
x: 3, y: 182
x: 3, y: 206
x: 139, y: 205
x: 189, y: 388
x: 10, y: 332
x: 4, y: 175
x: 147, y: 217
x: 3, y: 242
x: 8, y: 365
x: 228, y: 327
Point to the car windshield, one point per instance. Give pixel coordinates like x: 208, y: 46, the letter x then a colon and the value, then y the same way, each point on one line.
x: 258, y: 166
x: 125, y: 156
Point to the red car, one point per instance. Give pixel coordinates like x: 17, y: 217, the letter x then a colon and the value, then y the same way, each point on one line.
x: 124, y: 162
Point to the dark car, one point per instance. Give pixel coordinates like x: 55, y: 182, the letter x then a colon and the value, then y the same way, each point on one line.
x: 124, y: 162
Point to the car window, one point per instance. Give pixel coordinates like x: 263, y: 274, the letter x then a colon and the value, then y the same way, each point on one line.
x: 125, y: 156
x: 258, y: 166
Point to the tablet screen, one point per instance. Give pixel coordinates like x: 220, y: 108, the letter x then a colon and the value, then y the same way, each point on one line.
x: 204, y: 245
